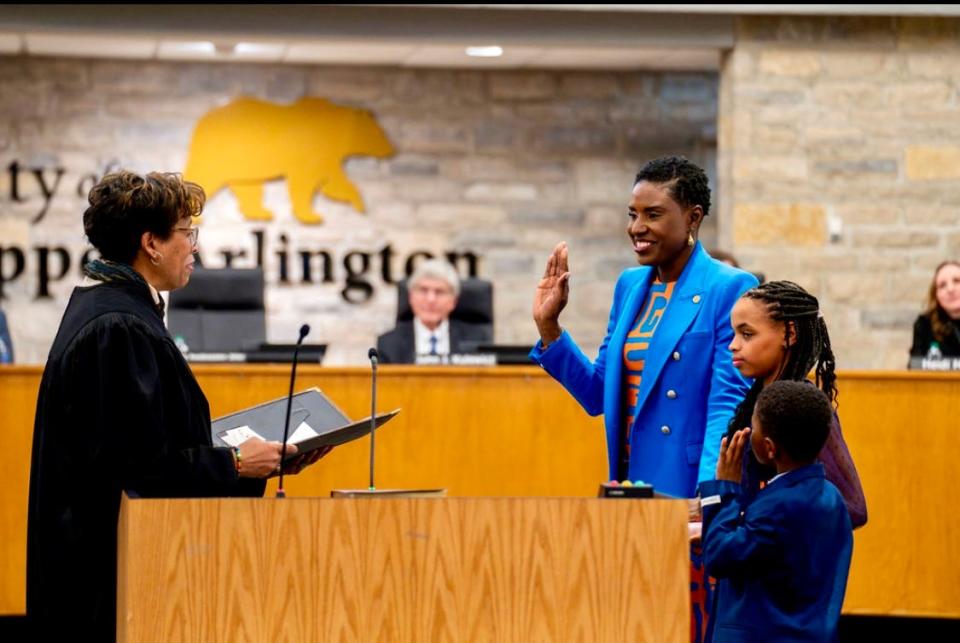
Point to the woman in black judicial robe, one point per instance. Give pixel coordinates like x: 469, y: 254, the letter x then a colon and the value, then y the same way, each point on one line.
x: 119, y: 409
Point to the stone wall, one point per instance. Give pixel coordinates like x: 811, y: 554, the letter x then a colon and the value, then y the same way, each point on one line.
x: 839, y: 167
x: 504, y: 164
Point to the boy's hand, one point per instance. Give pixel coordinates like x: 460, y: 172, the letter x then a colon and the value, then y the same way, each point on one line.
x: 730, y: 463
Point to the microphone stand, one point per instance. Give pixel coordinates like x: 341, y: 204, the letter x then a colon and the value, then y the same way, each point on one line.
x: 373, y: 355
x: 286, y: 425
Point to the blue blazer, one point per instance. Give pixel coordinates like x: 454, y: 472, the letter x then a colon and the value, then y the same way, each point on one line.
x: 689, y: 388
x: 781, y: 560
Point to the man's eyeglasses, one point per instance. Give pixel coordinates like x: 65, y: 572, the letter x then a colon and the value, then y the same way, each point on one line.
x: 192, y: 234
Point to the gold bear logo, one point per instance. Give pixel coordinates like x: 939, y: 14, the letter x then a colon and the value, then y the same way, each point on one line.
x: 249, y: 141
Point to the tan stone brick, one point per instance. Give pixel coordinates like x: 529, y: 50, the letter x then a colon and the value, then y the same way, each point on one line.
x: 776, y: 138
x: 501, y: 192
x: 740, y: 63
x: 932, y: 163
x: 932, y: 64
x: 919, y: 95
x: 885, y: 258
x: 604, y: 181
x: 907, y: 288
x: 894, y: 238
x: 846, y: 94
x: 602, y: 217
x: 590, y: 85
x: 925, y: 262
x: 925, y: 124
x: 779, y: 224
x: 346, y: 84
x: 855, y: 64
x: 932, y: 214
x: 757, y: 167
x: 794, y: 63
x: 827, y: 259
x: 465, y: 214
x: 815, y: 134
x: 953, y: 245
x: 867, y: 212
x: 522, y: 85
x: 434, y: 137
x: 790, y: 115
x: 855, y: 287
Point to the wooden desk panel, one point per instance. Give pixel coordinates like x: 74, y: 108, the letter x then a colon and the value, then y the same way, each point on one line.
x: 456, y: 569
x: 903, y: 430
x: 515, y: 432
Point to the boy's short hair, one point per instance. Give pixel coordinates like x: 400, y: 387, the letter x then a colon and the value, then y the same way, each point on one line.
x: 796, y: 416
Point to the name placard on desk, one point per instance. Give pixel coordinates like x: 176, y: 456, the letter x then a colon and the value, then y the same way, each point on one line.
x: 457, y: 359
x: 935, y: 364
x: 265, y: 354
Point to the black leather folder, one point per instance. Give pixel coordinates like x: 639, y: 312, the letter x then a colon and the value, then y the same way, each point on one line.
x: 315, y: 421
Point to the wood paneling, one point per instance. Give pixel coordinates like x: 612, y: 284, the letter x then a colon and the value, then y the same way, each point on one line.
x: 515, y: 432
x: 460, y: 569
x: 904, y: 433
x: 18, y: 403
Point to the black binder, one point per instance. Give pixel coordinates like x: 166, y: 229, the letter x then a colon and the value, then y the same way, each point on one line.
x: 315, y: 422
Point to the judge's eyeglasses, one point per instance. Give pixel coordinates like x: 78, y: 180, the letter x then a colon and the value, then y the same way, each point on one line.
x: 192, y: 234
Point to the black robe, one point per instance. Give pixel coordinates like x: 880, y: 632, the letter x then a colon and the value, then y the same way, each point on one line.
x: 923, y: 337
x: 118, y: 410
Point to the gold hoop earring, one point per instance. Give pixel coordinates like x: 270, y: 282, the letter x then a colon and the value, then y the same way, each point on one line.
x: 690, y: 239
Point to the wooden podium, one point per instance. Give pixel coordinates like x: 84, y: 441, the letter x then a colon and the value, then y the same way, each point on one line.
x: 452, y: 569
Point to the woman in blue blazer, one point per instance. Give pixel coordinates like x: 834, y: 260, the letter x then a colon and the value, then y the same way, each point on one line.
x: 664, y: 376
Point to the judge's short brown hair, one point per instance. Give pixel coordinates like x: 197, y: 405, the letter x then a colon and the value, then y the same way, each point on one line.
x: 124, y: 205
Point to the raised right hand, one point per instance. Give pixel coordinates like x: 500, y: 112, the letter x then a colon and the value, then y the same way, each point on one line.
x: 730, y: 462
x: 260, y: 459
x: 552, y: 293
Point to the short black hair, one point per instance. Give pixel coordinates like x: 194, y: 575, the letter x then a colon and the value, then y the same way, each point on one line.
x: 688, y: 183
x: 797, y: 416
x: 124, y: 205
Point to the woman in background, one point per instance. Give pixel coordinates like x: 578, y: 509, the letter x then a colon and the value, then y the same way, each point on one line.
x: 936, y: 333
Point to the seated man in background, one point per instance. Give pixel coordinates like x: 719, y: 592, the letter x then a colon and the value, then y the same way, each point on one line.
x: 433, y: 288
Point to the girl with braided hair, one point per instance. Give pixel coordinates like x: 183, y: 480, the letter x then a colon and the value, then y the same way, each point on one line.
x: 780, y: 334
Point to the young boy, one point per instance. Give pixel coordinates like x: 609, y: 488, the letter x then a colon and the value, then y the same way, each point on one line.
x: 782, y: 559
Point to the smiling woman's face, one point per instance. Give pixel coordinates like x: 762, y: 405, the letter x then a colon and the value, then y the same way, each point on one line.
x: 659, y: 228
x: 947, y: 284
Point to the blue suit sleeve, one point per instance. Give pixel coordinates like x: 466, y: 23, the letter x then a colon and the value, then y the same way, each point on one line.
x: 734, y: 538
x: 727, y: 386
x: 567, y: 364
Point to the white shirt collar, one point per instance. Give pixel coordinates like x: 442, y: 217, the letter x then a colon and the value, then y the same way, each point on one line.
x: 422, y: 336
x: 779, y: 475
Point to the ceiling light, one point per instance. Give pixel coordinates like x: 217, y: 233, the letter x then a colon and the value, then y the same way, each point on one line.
x: 257, y: 49
x: 188, y: 47
x: 485, y: 52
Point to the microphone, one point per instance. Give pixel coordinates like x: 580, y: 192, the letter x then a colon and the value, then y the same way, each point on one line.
x: 304, y: 330
x: 374, y: 357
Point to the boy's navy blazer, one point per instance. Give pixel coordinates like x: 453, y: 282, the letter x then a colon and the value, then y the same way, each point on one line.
x: 689, y: 389
x: 782, y: 559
